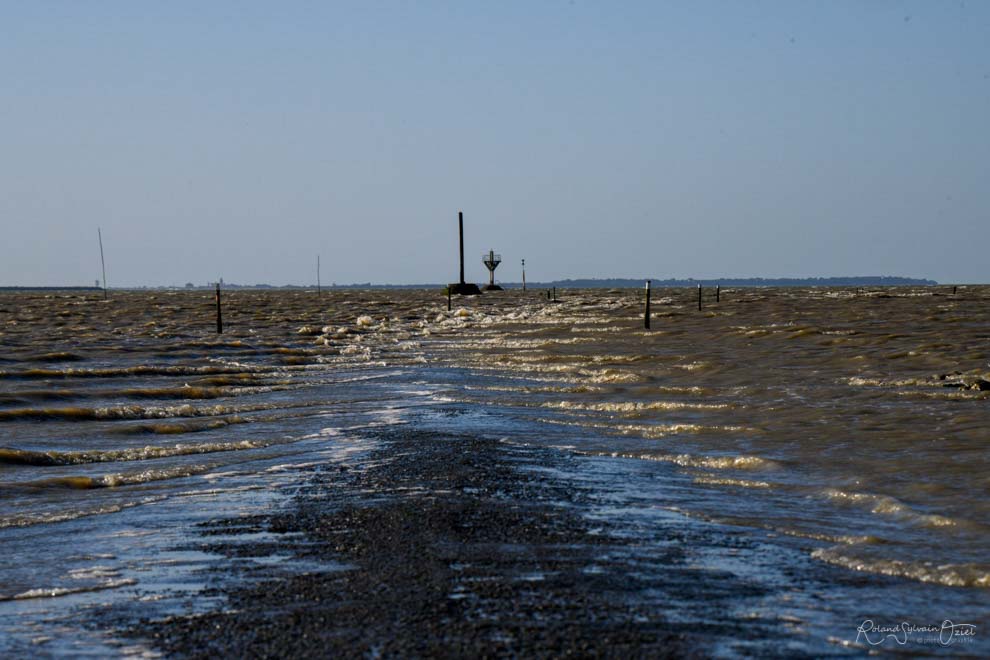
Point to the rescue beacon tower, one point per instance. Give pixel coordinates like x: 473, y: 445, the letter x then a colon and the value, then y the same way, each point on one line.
x: 491, y: 261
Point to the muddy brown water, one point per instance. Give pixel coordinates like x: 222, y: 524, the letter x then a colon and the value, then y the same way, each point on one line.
x: 857, y: 419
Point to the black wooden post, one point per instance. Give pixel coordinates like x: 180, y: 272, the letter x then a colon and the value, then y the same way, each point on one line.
x: 646, y: 313
x: 718, y: 292
x: 699, y: 297
x: 219, y: 315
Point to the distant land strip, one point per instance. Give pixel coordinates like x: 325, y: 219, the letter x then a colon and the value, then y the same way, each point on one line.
x: 626, y: 283
x: 592, y: 283
x: 50, y: 288
x: 871, y: 280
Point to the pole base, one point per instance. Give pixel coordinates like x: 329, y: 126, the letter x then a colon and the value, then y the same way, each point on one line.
x: 464, y: 289
x: 493, y: 287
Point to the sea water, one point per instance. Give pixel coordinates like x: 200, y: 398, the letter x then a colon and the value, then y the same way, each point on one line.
x: 854, y: 422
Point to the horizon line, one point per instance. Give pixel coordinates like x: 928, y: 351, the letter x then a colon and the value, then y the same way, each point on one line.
x: 584, y: 282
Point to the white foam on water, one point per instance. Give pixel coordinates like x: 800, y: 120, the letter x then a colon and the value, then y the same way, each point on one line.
x: 692, y: 366
x: 357, y: 351
x: 72, y: 514
x: 144, y: 476
x: 94, y: 572
x: 830, y: 538
x: 695, y: 460
x: 710, y: 480
x: 650, y: 431
x: 860, y: 381
x: 130, y: 412
x: 212, y: 476
x: 609, y: 376
x: 55, y: 592
x: 535, y: 389
x: 119, y: 455
x: 634, y: 406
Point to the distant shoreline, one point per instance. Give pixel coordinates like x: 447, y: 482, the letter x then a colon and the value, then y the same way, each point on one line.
x: 611, y: 283
x: 50, y: 288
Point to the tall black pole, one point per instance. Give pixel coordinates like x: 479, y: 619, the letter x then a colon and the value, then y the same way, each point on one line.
x: 460, y: 226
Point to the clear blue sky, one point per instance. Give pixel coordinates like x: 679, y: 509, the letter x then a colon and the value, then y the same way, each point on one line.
x: 593, y: 139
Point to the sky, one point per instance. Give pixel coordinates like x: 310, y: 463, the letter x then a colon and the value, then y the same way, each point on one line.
x: 241, y: 139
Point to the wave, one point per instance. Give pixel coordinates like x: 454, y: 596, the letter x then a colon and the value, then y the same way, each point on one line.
x: 197, y: 392
x: 142, y: 370
x: 55, y: 592
x: 609, y: 376
x: 14, y: 456
x: 629, y: 407
x: 178, y: 428
x: 860, y: 381
x: 26, y: 397
x: 535, y: 389
x: 725, y: 481
x: 697, y: 461
x: 109, y: 480
x: 886, y: 505
x: 78, y: 414
x: 651, y: 431
x: 950, y: 575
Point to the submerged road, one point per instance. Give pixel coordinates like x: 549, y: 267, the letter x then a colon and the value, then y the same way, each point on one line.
x: 445, y: 545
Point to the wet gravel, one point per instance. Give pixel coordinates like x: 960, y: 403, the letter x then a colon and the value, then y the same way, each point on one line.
x: 451, y: 546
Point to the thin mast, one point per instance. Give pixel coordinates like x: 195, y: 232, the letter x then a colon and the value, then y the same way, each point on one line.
x: 103, y: 263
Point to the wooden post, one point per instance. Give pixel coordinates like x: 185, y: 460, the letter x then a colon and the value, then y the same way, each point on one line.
x: 548, y: 294
x: 646, y: 314
x: 448, y: 298
x: 555, y: 294
x: 699, y: 297
x: 718, y: 296
x: 953, y: 290
x: 219, y: 315
x: 524, y: 274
